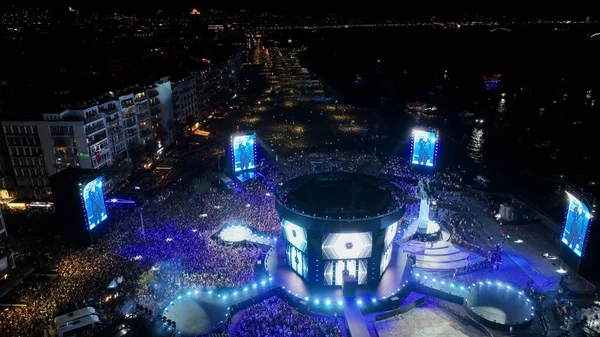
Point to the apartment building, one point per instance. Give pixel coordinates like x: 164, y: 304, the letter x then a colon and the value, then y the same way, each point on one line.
x: 93, y: 137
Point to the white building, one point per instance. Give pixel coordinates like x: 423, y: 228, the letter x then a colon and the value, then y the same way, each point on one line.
x: 93, y: 137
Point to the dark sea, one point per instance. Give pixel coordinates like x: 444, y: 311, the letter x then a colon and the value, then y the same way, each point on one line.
x: 539, y: 127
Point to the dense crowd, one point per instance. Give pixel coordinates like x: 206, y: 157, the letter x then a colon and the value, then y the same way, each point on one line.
x: 274, y: 317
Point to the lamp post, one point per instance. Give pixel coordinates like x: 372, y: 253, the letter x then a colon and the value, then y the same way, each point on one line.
x: 141, y: 209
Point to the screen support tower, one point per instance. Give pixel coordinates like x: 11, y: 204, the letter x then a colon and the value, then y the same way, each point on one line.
x: 426, y: 228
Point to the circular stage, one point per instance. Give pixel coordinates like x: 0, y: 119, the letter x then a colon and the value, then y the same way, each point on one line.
x: 236, y: 234
x: 499, y: 306
x: 337, y: 224
x: 198, y: 313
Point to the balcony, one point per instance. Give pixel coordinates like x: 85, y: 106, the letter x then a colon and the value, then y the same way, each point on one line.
x: 126, y: 103
x: 94, y: 128
x: 140, y: 97
x: 155, y: 111
x: 156, y: 119
x: 109, y: 108
x: 130, y: 122
x: 143, y: 116
x: 128, y: 113
x: 154, y: 101
x: 131, y: 133
x: 152, y: 93
x: 96, y: 138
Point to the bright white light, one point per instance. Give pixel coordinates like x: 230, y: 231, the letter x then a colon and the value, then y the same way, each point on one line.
x: 359, y: 302
x: 169, y: 239
x: 519, y: 241
x: 203, y: 215
x: 561, y: 271
x: 373, y: 300
x: 328, y: 302
x: 340, y: 302
x: 317, y: 301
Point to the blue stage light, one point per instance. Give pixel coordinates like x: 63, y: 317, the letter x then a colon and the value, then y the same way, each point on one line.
x: 443, y: 282
x: 417, y: 274
x: 224, y: 297
x: 254, y: 285
x: 317, y: 301
x: 235, y: 293
x: 262, y: 283
x: 359, y: 302
x: 178, y: 297
x: 434, y: 280
x: 246, y: 289
x: 189, y: 293
x: 340, y: 303
x: 452, y: 285
x: 327, y: 302
x: 196, y: 292
x: 373, y: 300
x: 489, y: 282
x: 210, y: 292
x: 306, y: 298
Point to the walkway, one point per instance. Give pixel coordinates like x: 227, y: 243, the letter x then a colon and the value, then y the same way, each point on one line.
x: 355, y: 320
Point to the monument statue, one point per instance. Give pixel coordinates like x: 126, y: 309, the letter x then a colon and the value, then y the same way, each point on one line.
x: 424, y: 191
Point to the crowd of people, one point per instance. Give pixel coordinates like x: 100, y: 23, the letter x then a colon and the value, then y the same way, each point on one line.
x: 173, y: 247
x: 274, y: 317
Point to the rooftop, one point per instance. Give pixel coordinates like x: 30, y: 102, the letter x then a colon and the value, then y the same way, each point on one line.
x: 340, y: 195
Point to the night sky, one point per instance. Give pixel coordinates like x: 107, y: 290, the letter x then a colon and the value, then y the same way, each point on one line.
x: 373, y: 9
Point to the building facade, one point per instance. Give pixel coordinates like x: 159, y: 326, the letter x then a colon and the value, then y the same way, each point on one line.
x: 93, y: 137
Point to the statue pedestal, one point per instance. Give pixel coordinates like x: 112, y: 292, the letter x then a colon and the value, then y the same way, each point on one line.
x: 426, y: 227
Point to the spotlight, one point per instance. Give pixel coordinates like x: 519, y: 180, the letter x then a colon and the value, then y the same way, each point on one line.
x: 340, y: 303
x: 359, y: 302
x: 373, y: 300
x: 317, y: 301
x: 327, y: 302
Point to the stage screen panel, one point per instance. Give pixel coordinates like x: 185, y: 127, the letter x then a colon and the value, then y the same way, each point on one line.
x: 423, y: 148
x: 390, y: 234
x: 576, y: 224
x: 92, y: 194
x: 347, y: 245
x: 334, y: 271
x: 243, y: 152
x: 295, y: 235
x: 385, y: 260
x: 297, y: 260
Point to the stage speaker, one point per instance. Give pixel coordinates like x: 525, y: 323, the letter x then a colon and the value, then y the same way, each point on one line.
x: 349, y: 286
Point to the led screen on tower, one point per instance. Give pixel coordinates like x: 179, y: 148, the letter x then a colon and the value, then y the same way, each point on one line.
x: 93, y: 199
x: 243, y: 152
x: 423, y: 148
x: 576, y: 224
x: 347, y: 245
x: 295, y: 235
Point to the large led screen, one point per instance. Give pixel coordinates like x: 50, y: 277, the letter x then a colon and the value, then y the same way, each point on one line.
x: 297, y: 260
x: 423, y: 149
x: 390, y: 234
x: 385, y: 260
x: 334, y: 271
x: 576, y: 224
x: 93, y: 199
x: 347, y: 245
x: 295, y: 235
x: 243, y: 152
